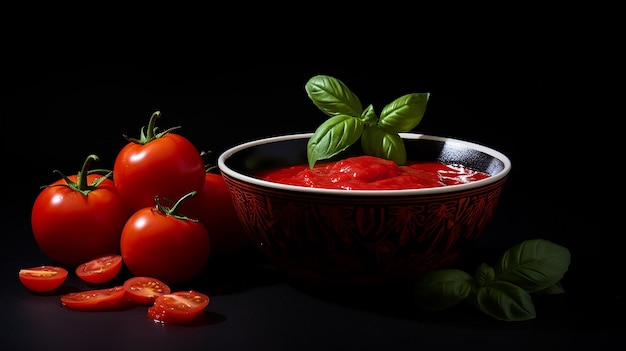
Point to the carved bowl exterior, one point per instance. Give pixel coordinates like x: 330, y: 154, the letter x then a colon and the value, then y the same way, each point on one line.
x: 352, y: 237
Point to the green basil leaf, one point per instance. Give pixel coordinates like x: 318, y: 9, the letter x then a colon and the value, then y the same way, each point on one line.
x: 377, y: 142
x: 404, y: 113
x: 533, y: 265
x: 333, y: 97
x: 369, y: 116
x: 484, y: 274
x: 440, y: 289
x: 332, y: 137
x: 552, y: 289
x: 505, y: 301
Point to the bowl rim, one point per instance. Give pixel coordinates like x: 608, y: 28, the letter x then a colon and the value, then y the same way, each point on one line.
x: 221, y: 162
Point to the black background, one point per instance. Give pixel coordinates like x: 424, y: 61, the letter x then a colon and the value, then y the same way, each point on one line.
x: 530, y: 96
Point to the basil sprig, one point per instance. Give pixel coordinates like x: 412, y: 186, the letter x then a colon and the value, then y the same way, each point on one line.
x: 348, y: 122
x: 503, y: 291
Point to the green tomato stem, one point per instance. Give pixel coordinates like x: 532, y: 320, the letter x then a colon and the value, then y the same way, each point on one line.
x: 151, y: 133
x: 151, y: 126
x: 81, y: 185
x: 81, y: 179
x: 173, y: 211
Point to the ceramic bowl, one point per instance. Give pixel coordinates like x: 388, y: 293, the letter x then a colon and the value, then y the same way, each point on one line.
x: 348, y: 237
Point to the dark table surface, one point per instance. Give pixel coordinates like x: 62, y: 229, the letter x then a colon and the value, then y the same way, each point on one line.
x: 64, y: 113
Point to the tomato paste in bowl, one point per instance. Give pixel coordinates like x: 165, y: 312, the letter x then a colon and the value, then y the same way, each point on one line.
x: 253, y: 161
x: 358, y: 235
x: 372, y: 173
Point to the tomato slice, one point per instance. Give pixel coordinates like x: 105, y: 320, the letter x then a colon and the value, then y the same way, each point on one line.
x: 96, y: 300
x: 178, y: 307
x: 43, y: 278
x: 145, y: 290
x: 101, y: 269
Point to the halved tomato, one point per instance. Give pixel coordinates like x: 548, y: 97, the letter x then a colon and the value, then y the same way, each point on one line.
x: 145, y: 290
x: 101, y: 269
x: 96, y: 300
x: 43, y: 278
x: 178, y: 307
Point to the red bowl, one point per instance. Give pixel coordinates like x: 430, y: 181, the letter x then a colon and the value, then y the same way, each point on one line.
x: 348, y: 237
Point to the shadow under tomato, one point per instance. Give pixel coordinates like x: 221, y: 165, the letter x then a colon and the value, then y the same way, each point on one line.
x: 206, y: 318
x: 127, y: 306
x: 61, y: 290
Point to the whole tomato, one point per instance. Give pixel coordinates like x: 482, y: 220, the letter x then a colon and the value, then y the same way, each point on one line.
x: 158, y: 242
x: 79, y: 217
x: 214, y: 207
x: 163, y: 164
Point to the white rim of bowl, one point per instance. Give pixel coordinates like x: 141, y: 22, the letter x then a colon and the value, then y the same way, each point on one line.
x: 221, y: 161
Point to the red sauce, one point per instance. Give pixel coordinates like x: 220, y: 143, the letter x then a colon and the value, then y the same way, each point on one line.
x: 372, y: 173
